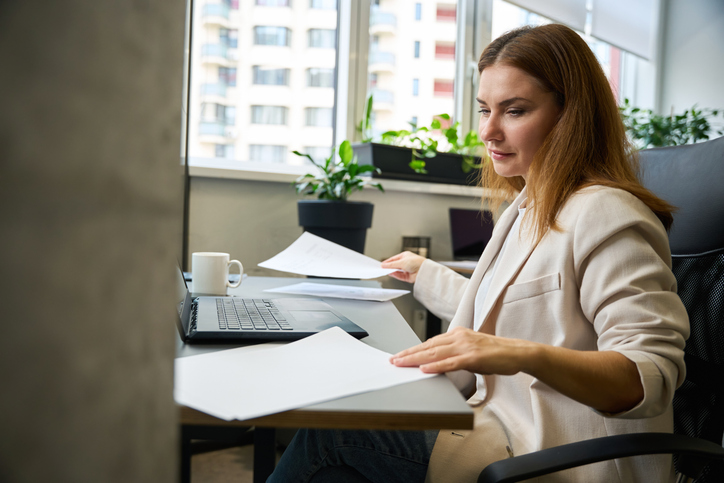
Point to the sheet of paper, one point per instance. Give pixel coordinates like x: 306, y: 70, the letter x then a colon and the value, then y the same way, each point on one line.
x: 241, y: 384
x: 312, y: 255
x: 340, y: 291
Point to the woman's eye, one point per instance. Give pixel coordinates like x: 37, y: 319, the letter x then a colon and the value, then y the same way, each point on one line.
x: 516, y: 112
x: 483, y: 111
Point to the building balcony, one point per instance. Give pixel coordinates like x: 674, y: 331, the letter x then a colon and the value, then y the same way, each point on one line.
x: 219, y: 53
x: 382, y: 22
x: 383, y: 100
x: 217, y: 89
x: 218, y: 129
x: 215, y: 10
x: 381, y: 61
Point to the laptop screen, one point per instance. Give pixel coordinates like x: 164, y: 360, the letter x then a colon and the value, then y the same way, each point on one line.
x: 470, y: 231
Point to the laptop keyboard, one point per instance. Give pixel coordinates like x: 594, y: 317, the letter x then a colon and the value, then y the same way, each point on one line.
x: 250, y: 314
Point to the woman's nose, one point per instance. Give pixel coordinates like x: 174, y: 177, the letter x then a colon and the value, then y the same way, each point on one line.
x: 490, y: 129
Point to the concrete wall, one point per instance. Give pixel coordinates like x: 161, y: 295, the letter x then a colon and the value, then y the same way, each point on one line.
x: 693, y: 55
x: 255, y: 220
x: 90, y: 203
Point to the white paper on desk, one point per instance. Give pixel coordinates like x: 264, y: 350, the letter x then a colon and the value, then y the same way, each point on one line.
x: 340, y: 291
x: 238, y: 384
x: 312, y: 255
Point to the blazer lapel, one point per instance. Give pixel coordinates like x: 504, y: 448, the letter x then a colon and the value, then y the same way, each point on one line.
x: 464, y: 315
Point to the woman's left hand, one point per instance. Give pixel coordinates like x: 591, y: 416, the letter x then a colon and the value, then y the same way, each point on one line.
x: 469, y: 350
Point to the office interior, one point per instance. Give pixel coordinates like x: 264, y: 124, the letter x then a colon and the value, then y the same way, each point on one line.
x: 91, y: 198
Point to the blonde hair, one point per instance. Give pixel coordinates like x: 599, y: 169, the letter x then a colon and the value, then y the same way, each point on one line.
x: 588, y: 144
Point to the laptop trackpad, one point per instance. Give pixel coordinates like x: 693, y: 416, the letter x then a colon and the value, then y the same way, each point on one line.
x: 316, y: 317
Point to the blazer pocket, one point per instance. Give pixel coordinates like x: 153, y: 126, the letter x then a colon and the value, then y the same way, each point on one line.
x: 532, y: 288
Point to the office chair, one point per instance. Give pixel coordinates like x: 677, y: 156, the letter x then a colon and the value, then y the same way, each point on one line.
x: 690, y: 177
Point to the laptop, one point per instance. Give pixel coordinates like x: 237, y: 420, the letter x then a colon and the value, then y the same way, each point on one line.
x: 227, y: 319
x: 470, y: 232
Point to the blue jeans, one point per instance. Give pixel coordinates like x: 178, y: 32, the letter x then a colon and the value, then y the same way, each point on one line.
x: 355, y: 456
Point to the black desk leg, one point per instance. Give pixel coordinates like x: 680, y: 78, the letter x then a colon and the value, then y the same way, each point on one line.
x: 434, y: 325
x: 264, y: 453
x: 185, y: 475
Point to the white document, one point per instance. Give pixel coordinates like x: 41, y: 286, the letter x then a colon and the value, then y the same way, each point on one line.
x: 312, y: 255
x: 242, y: 384
x: 340, y: 291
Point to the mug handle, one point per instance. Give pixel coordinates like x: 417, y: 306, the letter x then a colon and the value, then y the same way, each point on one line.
x: 241, y: 273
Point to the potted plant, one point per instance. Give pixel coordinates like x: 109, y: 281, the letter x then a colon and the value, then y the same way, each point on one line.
x: 438, y: 154
x: 331, y: 216
x: 649, y: 130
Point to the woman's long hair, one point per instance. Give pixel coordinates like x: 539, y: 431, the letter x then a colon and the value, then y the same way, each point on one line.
x: 587, y: 146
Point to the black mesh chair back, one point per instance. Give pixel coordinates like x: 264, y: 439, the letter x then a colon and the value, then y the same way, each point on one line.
x: 692, y: 179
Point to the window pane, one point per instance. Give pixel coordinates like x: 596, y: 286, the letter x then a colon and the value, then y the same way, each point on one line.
x: 251, y: 97
x: 402, y: 86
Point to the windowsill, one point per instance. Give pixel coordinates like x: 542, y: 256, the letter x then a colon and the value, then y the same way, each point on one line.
x: 287, y: 174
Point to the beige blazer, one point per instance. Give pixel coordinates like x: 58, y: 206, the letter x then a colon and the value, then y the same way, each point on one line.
x: 603, y: 282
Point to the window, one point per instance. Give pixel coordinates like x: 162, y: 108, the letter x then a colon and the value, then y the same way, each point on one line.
x: 372, y: 81
x: 323, y: 38
x: 443, y: 88
x: 413, y: 121
x: 267, y: 153
x: 227, y: 75
x: 269, y: 115
x: 318, y: 153
x: 415, y: 87
x: 446, y: 13
x: 272, y: 3
x: 323, y: 4
x: 318, y: 116
x: 211, y: 112
x: 418, y: 11
x: 444, y: 51
x: 270, y: 76
x: 279, y: 36
x: 229, y: 37
x: 224, y: 151
x: 417, y: 49
x: 318, y: 77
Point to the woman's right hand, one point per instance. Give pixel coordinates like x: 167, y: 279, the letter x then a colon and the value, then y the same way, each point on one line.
x: 407, y: 265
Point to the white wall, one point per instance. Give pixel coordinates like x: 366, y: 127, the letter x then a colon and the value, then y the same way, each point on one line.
x: 693, y: 55
x: 254, y: 220
x: 90, y: 203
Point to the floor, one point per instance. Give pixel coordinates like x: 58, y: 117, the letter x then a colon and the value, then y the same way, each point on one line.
x: 224, y: 466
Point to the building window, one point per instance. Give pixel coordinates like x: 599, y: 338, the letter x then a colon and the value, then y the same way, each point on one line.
x: 229, y: 37
x: 415, y: 87
x: 323, y: 38
x: 320, y: 77
x: 445, y: 50
x: 270, y: 76
x: 267, y: 153
x: 212, y: 112
x: 446, y: 13
x: 224, y: 151
x: 417, y: 49
x: 269, y: 115
x: 418, y: 11
x: 323, y: 4
x: 413, y: 121
x: 373, y: 78
x: 227, y: 75
x: 318, y: 153
x: 272, y: 3
x: 318, y: 116
x: 279, y: 36
x: 444, y: 88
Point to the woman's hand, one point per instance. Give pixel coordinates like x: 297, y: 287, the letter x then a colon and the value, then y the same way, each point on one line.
x: 469, y: 350
x: 407, y: 265
x: 604, y: 380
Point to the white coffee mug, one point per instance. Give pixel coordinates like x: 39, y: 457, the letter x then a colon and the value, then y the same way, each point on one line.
x: 210, y: 272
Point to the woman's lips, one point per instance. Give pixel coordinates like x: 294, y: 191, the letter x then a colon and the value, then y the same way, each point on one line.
x: 498, y: 155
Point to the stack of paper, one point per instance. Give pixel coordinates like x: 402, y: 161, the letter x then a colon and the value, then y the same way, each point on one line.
x: 245, y: 383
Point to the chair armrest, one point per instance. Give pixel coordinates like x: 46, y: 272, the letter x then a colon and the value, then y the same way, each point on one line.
x: 550, y: 460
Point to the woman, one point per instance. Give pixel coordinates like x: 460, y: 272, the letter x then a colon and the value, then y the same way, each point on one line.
x: 570, y: 327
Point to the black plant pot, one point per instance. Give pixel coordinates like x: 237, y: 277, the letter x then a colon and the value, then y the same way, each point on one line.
x: 342, y: 222
x: 394, y: 163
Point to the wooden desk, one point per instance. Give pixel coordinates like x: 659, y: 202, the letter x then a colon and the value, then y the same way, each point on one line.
x: 429, y: 404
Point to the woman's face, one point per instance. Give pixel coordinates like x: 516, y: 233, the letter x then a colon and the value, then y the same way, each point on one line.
x: 516, y: 115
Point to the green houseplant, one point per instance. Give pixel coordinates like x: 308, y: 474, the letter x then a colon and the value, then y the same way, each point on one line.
x: 331, y: 216
x: 438, y: 153
x: 649, y: 130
